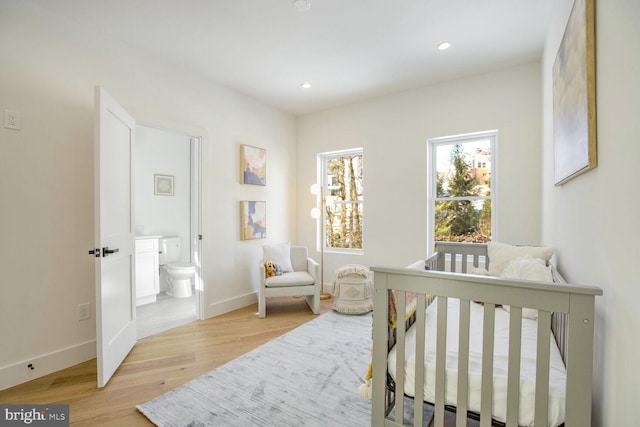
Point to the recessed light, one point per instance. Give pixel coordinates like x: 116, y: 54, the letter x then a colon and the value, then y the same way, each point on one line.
x: 302, y: 5
x: 305, y: 85
x: 444, y: 46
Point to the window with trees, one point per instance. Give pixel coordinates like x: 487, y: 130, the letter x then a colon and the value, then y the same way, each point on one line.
x: 461, y: 197
x: 341, y: 181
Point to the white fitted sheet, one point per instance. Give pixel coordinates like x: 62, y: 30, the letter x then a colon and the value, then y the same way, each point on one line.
x: 557, y: 371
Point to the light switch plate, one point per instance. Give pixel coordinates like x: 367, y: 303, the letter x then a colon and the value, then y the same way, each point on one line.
x: 84, y: 311
x: 12, y: 119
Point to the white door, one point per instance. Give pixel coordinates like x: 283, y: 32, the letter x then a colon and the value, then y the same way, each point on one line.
x: 114, y: 234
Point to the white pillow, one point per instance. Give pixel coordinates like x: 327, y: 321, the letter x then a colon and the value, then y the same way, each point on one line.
x: 279, y: 254
x: 479, y: 271
x: 527, y: 268
x: 501, y: 254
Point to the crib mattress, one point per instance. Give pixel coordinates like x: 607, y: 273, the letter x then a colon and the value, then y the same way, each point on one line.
x: 557, y: 371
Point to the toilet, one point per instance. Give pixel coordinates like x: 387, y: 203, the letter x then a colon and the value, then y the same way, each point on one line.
x: 178, y: 275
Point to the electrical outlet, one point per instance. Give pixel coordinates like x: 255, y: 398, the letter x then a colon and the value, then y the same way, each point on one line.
x: 12, y: 119
x: 84, y: 311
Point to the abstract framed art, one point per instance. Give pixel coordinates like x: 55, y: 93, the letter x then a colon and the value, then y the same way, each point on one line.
x: 253, y: 165
x: 253, y: 220
x: 574, y: 96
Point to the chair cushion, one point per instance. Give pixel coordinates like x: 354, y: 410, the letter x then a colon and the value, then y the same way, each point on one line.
x: 295, y: 278
x: 279, y: 254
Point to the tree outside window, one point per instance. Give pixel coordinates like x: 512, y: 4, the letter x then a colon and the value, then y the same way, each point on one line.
x: 461, y: 195
x: 342, y: 179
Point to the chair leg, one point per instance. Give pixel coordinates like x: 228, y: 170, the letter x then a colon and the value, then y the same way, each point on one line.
x: 314, y: 303
x: 262, y: 304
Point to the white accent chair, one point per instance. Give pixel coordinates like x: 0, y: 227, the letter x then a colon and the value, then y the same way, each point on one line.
x: 304, y: 280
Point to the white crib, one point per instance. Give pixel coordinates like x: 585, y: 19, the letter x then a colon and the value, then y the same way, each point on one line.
x: 565, y: 326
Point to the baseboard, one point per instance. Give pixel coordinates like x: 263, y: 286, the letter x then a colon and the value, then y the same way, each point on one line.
x: 222, y: 307
x: 18, y: 373
x: 328, y: 288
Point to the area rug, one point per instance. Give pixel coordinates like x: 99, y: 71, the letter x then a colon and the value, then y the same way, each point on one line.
x: 307, y: 377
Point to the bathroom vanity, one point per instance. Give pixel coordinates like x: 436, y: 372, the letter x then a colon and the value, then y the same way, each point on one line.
x: 147, y: 269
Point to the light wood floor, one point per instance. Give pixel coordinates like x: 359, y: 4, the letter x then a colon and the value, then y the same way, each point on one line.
x: 164, y: 314
x: 160, y: 363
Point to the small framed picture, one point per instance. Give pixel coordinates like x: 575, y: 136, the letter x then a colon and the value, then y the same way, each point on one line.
x: 163, y: 185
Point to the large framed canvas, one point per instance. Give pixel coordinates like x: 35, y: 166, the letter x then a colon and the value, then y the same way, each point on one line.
x: 253, y: 165
x: 253, y: 220
x: 574, y: 96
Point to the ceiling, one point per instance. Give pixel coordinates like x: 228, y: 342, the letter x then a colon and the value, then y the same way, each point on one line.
x: 349, y: 50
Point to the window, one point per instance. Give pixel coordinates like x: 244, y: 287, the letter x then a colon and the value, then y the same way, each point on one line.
x: 340, y: 175
x: 461, y: 196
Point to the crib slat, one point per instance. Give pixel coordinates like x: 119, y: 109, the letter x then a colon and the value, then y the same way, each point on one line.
x: 559, y: 327
x: 463, y: 364
x: 418, y: 401
x: 513, y: 376
x: 400, y: 352
x: 441, y: 360
x: 560, y: 322
x: 488, y: 332
x: 542, y: 368
x: 442, y: 261
x: 380, y: 401
x: 464, y: 262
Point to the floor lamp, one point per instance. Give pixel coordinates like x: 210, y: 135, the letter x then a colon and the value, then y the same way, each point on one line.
x: 319, y: 214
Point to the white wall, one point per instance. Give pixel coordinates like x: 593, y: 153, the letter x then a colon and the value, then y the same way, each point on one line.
x: 592, y: 220
x: 394, y: 131
x: 48, y: 73
x: 158, y: 151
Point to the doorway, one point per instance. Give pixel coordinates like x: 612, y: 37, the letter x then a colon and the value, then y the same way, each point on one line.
x: 167, y: 204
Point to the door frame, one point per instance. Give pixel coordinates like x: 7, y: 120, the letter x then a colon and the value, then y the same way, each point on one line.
x: 196, y: 222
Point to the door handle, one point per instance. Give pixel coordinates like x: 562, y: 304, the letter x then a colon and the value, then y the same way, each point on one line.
x: 95, y: 252
x: 106, y: 251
